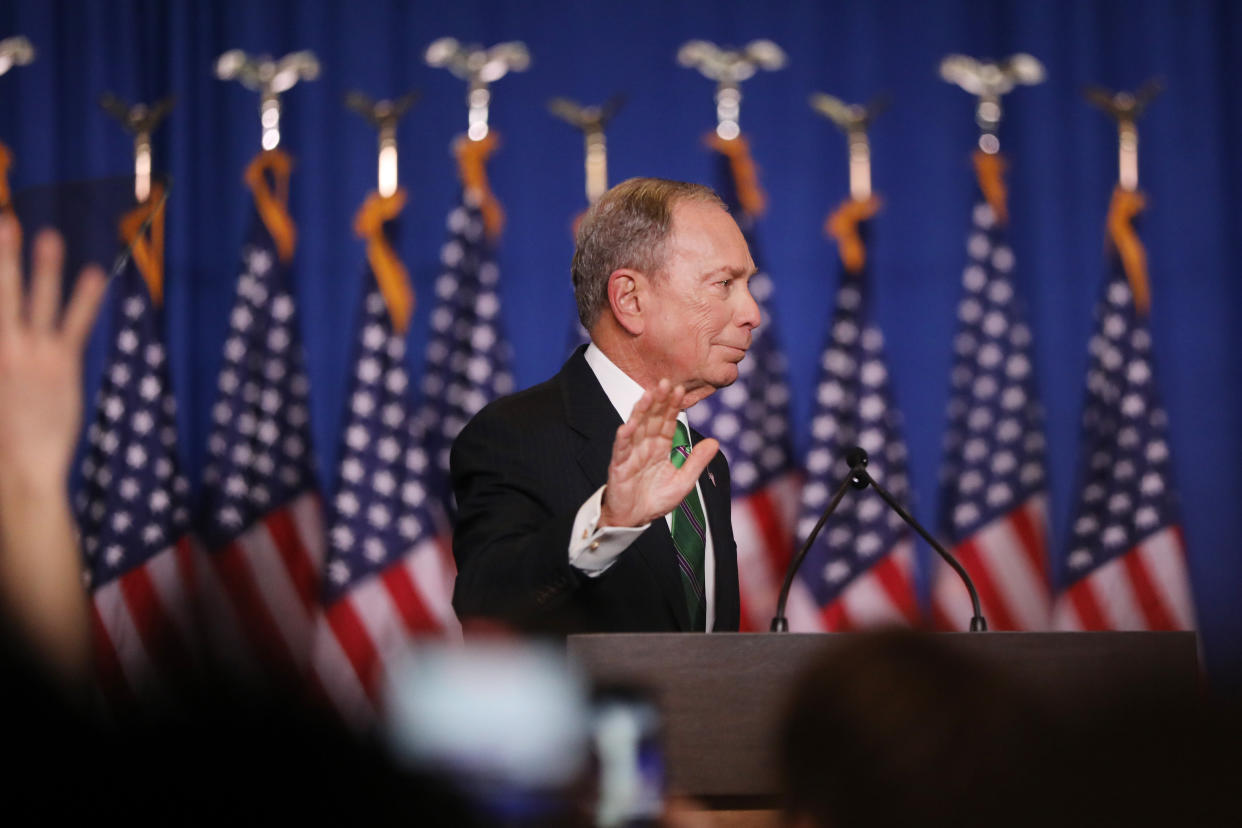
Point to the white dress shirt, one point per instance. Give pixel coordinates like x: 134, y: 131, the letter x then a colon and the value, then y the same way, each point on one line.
x: 592, y: 549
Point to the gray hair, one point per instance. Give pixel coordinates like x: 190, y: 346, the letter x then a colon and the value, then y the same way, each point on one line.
x: 627, y: 227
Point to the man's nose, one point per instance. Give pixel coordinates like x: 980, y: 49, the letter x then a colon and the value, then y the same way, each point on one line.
x: 747, y: 314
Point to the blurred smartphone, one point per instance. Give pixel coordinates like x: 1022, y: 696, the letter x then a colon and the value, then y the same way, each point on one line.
x: 507, y: 722
x: 629, y: 750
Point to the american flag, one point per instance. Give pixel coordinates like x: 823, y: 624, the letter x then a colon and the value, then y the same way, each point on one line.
x: 750, y: 418
x: 858, y: 573
x: 993, y: 495
x: 469, y: 362
x: 389, y: 573
x: 1125, y: 566
x: 133, y: 509
x: 261, y: 518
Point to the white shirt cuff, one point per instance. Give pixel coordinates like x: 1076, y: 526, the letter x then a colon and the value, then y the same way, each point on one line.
x: 592, y: 549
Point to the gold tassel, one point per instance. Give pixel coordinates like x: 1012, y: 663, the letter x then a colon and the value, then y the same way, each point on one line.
x: 1127, y: 204
x: 472, y: 166
x: 842, y: 225
x: 745, y: 174
x: 273, y: 202
x: 990, y: 170
x: 390, y: 273
x: 6, y: 195
x: 147, y: 251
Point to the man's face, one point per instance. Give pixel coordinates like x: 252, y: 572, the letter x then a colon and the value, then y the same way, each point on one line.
x: 703, y: 314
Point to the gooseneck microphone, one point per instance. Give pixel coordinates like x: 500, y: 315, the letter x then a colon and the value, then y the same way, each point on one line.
x: 859, y: 479
x: 857, y: 458
x: 779, y: 622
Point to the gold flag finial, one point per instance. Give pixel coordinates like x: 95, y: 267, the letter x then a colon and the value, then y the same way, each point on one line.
x: 139, y: 120
x: 480, y: 68
x: 15, y: 51
x: 729, y: 67
x: 853, y: 120
x: 270, y: 78
x: 1125, y: 108
x: 989, y: 81
x: 590, y: 121
x: 383, y: 115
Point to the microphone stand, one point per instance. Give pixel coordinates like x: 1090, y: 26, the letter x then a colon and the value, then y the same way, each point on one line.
x: 860, y: 479
x: 779, y: 622
x: 859, y: 457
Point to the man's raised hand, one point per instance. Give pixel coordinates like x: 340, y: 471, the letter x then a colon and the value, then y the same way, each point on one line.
x: 41, y: 357
x: 40, y: 416
x: 643, y: 484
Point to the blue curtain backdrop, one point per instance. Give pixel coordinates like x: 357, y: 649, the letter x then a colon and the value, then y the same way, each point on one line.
x: 1062, y: 154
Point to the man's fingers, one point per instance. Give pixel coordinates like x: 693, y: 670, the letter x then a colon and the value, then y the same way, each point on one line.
x: 653, y: 423
x: 83, y: 305
x: 622, y: 443
x: 47, y: 261
x: 10, y: 272
x: 640, y: 408
x: 668, y: 427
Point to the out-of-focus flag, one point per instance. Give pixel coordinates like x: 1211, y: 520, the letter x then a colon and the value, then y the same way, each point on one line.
x: 1125, y: 566
x: 389, y: 573
x: 469, y: 360
x: 750, y: 418
x: 261, y: 519
x: 858, y: 573
x: 132, y: 506
x: 993, y: 493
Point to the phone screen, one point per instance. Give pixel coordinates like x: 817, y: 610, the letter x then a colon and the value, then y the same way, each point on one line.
x: 630, y: 755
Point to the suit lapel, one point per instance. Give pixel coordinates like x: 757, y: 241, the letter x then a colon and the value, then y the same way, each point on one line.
x: 590, y: 413
x: 719, y: 520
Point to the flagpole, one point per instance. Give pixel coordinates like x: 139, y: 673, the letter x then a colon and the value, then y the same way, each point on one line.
x: 384, y: 205
x: 480, y: 68
x: 14, y: 51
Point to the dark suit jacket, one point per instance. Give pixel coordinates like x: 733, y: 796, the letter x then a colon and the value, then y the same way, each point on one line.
x: 521, y: 469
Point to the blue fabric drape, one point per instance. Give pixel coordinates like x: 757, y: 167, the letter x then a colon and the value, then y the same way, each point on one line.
x: 1062, y: 165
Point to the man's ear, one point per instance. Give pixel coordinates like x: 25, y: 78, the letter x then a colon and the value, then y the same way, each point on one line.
x: 627, y: 298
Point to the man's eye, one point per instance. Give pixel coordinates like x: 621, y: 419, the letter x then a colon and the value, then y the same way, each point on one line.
x: 725, y: 282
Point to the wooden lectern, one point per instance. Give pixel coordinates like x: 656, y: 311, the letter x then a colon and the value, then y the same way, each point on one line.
x: 723, y: 694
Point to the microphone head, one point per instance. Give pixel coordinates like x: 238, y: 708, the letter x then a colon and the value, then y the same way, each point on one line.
x: 856, y: 456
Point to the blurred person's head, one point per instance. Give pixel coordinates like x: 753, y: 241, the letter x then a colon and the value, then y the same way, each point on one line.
x: 898, y: 729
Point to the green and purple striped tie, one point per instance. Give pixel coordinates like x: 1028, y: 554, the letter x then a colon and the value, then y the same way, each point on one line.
x: 689, y: 536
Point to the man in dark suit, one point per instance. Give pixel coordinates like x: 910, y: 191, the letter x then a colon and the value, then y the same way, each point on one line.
x: 585, y: 505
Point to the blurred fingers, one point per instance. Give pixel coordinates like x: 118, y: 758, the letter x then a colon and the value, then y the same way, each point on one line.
x: 84, y: 305
x: 10, y: 273
x: 47, y: 261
